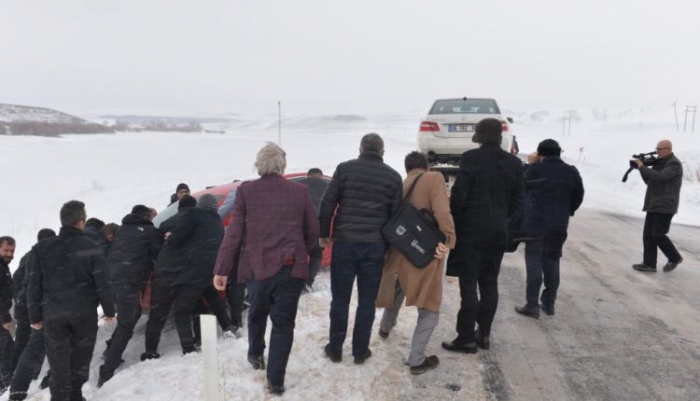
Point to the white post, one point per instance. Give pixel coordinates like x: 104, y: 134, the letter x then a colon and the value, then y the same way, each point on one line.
x: 211, y: 357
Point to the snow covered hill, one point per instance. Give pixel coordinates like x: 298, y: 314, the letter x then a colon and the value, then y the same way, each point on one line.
x: 40, y: 121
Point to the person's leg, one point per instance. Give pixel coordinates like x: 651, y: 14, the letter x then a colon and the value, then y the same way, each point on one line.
x: 315, y: 257
x: 28, y: 364
x: 185, y: 304
x: 661, y: 226
x: 342, y: 280
x: 488, y: 289
x: 283, y: 311
x: 650, y: 252
x: 129, y: 313
x: 369, y: 275
x: 235, y: 293
x: 217, y: 306
x: 391, y: 314
x: 57, y: 335
x: 259, y: 293
x: 7, y: 357
x: 469, y: 306
x: 427, y: 321
x: 162, y: 297
x: 23, y: 331
x: 534, y: 262
x: 82, y: 345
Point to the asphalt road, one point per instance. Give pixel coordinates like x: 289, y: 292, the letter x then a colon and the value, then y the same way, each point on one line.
x: 618, y: 334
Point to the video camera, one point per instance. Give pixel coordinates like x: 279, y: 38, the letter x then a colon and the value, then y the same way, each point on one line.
x: 648, y: 159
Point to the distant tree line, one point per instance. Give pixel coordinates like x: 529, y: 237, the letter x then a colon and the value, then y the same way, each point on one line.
x: 52, y: 129
x: 158, y: 125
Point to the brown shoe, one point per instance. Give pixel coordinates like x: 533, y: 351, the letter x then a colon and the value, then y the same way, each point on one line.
x: 430, y: 362
x: 334, y: 358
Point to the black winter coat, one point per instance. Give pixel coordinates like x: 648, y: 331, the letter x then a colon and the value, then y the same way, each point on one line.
x: 663, y: 181
x: 6, y: 293
x: 487, y: 191
x: 317, y: 187
x: 97, y: 237
x: 367, y: 193
x: 68, y: 278
x: 134, y: 250
x: 171, y: 259
x: 19, y: 279
x: 199, y: 235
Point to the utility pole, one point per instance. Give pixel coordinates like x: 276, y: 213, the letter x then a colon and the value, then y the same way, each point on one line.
x: 689, y: 110
x: 564, y: 121
x: 279, y: 124
x: 675, y: 112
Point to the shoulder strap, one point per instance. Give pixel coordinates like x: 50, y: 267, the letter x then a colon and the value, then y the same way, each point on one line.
x: 413, y: 186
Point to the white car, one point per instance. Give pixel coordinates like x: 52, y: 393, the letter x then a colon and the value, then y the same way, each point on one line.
x: 447, y: 130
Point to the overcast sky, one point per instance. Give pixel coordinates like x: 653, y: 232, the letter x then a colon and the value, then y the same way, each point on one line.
x: 346, y: 57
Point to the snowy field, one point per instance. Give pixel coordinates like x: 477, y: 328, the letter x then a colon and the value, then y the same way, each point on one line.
x: 111, y: 173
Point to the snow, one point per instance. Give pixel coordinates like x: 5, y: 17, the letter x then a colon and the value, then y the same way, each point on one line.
x: 114, y: 172
x: 14, y: 113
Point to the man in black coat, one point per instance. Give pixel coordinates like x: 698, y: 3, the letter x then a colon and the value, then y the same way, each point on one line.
x: 487, y: 191
x: 134, y: 250
x: 7, y: 253
x: 93, y: 230
x: 67, y: 281
x: 317, y: 187
x: 661, y: 200
x: 199, y: 235
x: 366, y: 193
x: 553, y: 192
x: 171, y: 260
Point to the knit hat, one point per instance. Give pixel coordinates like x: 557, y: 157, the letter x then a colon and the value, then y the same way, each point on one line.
x: 187, y: 201
x: 207, y: 201
x: 488, y: 130
x: 548, y: 147
x: 182, y: 186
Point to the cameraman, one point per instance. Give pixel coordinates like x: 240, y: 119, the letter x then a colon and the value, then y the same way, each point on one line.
x: 663, y: 181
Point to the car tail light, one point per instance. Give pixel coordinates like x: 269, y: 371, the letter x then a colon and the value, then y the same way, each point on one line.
x: 504, y: 123
x: 429, y: 126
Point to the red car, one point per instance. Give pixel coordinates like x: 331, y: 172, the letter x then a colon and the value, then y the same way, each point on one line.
x: 221, y: 192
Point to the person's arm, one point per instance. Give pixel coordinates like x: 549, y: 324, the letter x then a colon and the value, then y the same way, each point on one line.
x: 577, y: 198
x: 231, y: 244
x: 35, y: 290
x: 516, y: 194
x: 440, y: 205
x: 182, y: 232
x: 671, y: 170
x: 329, y: 202
x: 227, y: 206
x: 98, y: 270
x: 311, y: 225
x: 461, y: 187
x: 397, y: 197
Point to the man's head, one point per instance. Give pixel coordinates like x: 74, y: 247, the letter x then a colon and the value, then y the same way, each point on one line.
x: 271, y: 159
x: 45, y: 233
x: 207, y: 201
x: 372, y: 143
x: 7, y: 249
x: 182, y: 190
x: 109, y: 230
x: 548, y: 147
x: 187, y: 201
x: 415, y: 160
x: 154, y: 213
x: 664, y: 149
x: 94, y: 223
x: 142, y: 211
x: 73, y: 214
x: 488, y: 130
x: 314, y: 173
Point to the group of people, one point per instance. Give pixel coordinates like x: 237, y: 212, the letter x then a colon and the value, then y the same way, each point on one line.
x: 272, y: 249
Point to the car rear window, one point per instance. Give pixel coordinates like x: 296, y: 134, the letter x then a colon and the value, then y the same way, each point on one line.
x: 465, y: 106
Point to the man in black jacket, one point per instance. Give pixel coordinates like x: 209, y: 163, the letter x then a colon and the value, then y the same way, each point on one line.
x: 317, y: 187
x: 7, y: 253
x: 93, y: 230
x: 171, y: 260
x: 134, y: 250
x: 553, y: 192
x: 661, y: 200
x: 366, y: 193
x: 67, y: 281
x: 199, y: 236
x: 487, y: 191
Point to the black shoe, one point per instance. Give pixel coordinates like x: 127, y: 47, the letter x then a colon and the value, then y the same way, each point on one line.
x: 258, y: 362
x: 383, y: 334
x: 274, y: 389
x: 430, y: 362
x: 191, y: 349
x: 455, y: 346
x: 45, y: 381
x: 149, y: 355
x: 18, y: 396
x: 548, y: 309
x: 670, y: 266
x: 528, y: 311
x: 644, y: 268
x: 482, y: 341
x: 332, y: 356
x: 359, y: 360
x: 104, y: 378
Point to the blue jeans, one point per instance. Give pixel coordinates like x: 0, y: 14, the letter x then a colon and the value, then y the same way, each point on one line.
x: 29, y: 364
x: 542, y: 261
x: 363, y: 260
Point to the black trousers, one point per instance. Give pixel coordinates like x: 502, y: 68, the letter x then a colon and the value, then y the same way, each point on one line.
x: 542, y: 266
x: 235, y: 293
x: 162, y: 297
x: 7, y: 357
x: 656, y: 226
x: 129, y: 308
x: 70, y: 342
x: 29, y: 365
x: 215, y: 305
x: 278, y: 298
x: 484, y: 266
x: 22, y: 331
x: 187, y: 302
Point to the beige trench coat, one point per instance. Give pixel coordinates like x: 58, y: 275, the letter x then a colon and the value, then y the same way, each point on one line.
x: 423, y: 287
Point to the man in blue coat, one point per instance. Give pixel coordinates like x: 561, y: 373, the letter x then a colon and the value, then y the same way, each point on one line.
x: 553, y: 192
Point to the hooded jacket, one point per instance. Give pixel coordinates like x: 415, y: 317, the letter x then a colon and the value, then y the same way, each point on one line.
x: 134, y: 250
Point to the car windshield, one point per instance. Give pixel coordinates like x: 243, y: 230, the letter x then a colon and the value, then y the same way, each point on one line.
x: 465, y: 106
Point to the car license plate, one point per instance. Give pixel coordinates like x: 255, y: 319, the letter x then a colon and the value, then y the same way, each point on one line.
x: 461, y: 128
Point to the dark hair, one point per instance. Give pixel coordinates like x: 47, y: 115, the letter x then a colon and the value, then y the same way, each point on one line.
x: 45, y: 233
x: 415, y: 160
x: 95, y: 223
x: 9, y: 240
x: 314, y: 172
x: 549, y: 147
x: 72, y: 212
x: 109, y: 229
x: 372, y: 143
x: 142, y: 211
x: 187, y: 201
x: 488, y: 130
x: 182, y: 185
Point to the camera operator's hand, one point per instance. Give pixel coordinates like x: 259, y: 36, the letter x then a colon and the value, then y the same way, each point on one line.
x: 638, y: 162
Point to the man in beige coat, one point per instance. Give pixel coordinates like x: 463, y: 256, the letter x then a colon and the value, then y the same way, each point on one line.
x: 420, y: 287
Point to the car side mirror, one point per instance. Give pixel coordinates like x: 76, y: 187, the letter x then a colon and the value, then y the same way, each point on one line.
x: 510, y: 120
